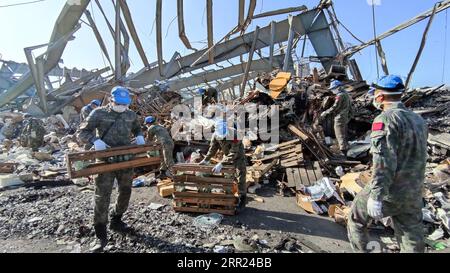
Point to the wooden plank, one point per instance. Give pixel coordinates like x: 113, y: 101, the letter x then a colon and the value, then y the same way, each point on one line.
x: 8, y: 167
x: 298, y: 180
x: 298, y: 132
x: 286, y: 144
x: 203, y: 210
x: 202, y: 180
x: 290, y: 164
x: 203, y: 195
x: 206, y: 201
x: 290, y: 178
x: 105, y: 167
x: 280, y: 153
x: 311, y: 174
x: 124, y: 150
x: 196, y: 186
x: 201, y: 168
x: 304, y: 176
x: 318, y: 170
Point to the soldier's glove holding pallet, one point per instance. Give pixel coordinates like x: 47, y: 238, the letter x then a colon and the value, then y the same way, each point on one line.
x: 99, y: 145
x: 140, y: 140
x: 204, y: 162
x: 217, y: 168
x: 374, y: 209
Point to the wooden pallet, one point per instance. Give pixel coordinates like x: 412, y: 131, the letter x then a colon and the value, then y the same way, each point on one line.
x: 289, y: 153
x: 99, y: 168
x: 8, y: 167
x: 304, y: 176
x: 204, y: 194
x: 256, y: 172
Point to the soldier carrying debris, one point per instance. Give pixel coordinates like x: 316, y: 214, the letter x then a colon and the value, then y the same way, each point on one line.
x: 111, y: 126
x: 33, y: 133
x: 225, y: 139
x: 160, y: 134
x: 209, y: 96
x: 399, y: 149
x: 342, y: 111
x: 86, y: 110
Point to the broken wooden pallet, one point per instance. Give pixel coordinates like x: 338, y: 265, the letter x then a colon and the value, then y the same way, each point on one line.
x: 256, y: 172
x: 290, y: 154
x: 8, y: 167
x: 102, y: 167
x: 304, y: 176
x: 204, y: 194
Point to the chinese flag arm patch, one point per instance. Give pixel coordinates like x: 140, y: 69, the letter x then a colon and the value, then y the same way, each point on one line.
x: 378, y: 126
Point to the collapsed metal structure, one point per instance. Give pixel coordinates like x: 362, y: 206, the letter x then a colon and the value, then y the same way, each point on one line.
x: 221, y: 64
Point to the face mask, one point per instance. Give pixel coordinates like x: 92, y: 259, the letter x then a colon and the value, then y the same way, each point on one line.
x: 376, y: 104
x: 119, y: 108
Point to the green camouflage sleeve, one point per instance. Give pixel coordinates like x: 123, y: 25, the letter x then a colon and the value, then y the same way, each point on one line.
x: 213, y: 148
x: 88, y: 127
x: 136, y: 128
x: 384, y: 152
x: 233, y: 153
x: 336, y: 106
x: 151, y: 134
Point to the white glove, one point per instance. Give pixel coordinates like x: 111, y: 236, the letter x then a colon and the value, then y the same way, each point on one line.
x: 374, y: 209
x: 204, y: 162
x: 140, y: 140
x: 99, y: 145
x: 217, y: 168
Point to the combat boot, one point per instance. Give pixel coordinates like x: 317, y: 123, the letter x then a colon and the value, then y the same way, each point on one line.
x: 241, y: 203
x: 118, y: 225
x: 102, y: 238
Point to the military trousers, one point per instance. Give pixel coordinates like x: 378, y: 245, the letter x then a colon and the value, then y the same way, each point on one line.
x: 103, y: 189
x: 241, y: 175
x: 167, y: 150
x: 340, y: 130
x: 406, y: 217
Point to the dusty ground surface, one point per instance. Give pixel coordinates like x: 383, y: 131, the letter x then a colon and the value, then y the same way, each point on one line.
x: 59, y: 220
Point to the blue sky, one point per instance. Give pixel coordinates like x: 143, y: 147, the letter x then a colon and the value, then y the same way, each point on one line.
x: 29, y: 25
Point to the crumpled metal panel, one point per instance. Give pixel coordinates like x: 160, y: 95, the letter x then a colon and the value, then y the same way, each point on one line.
x: 67, y: 20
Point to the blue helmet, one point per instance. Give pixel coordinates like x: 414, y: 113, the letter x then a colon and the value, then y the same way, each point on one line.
x: 390, y: 83
x: 121, y: 95
x: 221, y: 129
x: 335, y: 84
x: 149, y: 120
x: 96, y: 102
x: 201, y: 91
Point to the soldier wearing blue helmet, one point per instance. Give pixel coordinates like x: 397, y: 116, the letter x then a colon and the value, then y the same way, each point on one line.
x: 159, y: 134
x: 342, y: 112
x: 399, y: 149
x: 111, y: 126
x: 87, y: 109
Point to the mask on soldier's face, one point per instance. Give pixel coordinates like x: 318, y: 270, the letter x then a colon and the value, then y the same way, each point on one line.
x: 119, y: 108
x: 376, y: 104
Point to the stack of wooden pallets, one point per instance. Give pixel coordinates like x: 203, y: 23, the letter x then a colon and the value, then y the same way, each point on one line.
x: 198, y: 190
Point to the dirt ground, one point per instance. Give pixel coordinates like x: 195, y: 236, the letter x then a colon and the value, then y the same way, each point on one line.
x: 277, y: 216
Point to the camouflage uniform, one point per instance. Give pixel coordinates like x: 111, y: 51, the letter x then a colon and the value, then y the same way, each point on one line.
x: 121, y: 126
x: 399, y: 149
x: 341, y: 110
x: 211, y: 96
x: 233, y: 153
x: 163, y: 137
x: 32, y: 134
x: 85, y: 111
x: 11, y: 130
